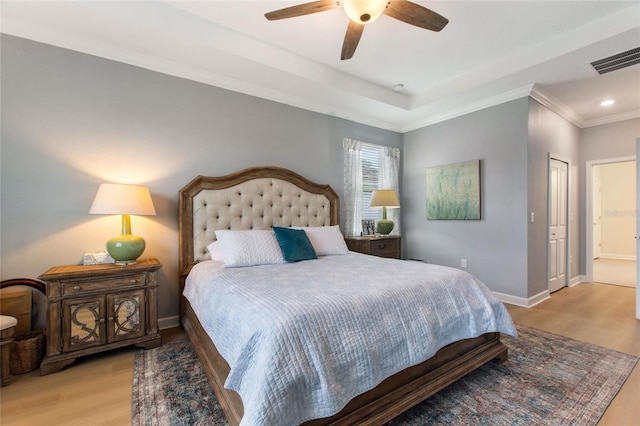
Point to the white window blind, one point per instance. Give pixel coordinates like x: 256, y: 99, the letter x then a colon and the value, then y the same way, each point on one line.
x: 371, y: 179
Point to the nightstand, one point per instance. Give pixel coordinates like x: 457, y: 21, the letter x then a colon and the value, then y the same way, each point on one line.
x: 381, y: 245
x: 95, y: 308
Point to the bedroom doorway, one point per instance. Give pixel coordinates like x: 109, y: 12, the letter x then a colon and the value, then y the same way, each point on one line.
x: 637, y: 227
x: 611, y: 221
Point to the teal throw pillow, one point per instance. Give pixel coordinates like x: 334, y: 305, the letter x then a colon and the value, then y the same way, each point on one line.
x: 295, y: 244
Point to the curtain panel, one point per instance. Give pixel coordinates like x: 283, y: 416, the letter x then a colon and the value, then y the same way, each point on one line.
x: 352, y: 186
x: 389, y: 172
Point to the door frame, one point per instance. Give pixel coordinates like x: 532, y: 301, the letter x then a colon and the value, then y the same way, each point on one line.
x: 596, y: 214
x: 637, y: 228
x: 568, y: 219
x: 589, y: 209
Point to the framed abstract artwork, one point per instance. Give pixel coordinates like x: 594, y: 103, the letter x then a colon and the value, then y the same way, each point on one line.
x: 453, y: 191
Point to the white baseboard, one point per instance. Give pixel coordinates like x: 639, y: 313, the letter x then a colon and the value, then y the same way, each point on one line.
x: 540, y: 297
x: 617, y: 256
x: 168, y: 322
x: 521, y: 301
x: 577, y: 280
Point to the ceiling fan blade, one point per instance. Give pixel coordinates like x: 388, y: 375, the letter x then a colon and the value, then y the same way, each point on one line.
x: 414, y: 14
x: 351, y: 39
x: 302, y: 9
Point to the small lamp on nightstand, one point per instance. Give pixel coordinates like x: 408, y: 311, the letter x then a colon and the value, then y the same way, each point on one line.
x: 125, y: 200
x: 385, y: 198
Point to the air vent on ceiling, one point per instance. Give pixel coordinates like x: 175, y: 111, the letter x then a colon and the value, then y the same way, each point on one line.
x: 616, y: 62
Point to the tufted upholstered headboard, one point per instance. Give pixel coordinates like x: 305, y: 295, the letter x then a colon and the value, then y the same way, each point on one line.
x: 254, y: 198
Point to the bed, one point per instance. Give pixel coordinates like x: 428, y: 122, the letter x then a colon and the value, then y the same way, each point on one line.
x: 260, y: 198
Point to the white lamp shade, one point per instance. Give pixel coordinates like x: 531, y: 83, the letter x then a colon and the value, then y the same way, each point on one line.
x: 113, y: 198
x: 384, y: 198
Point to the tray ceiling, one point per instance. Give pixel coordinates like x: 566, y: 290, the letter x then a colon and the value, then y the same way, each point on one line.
x: 489, y: 53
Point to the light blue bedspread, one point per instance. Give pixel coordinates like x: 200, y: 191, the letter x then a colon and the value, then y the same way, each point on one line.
x: 302, y: 339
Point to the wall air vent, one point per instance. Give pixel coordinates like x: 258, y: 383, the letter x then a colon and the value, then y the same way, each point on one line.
x: 616, y: 62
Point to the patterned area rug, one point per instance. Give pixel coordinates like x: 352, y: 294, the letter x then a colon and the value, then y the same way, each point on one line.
x: 548, y: 380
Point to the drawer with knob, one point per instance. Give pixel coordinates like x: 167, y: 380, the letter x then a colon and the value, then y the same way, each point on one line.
x: 82, y: 286
x: 381, y: 246
x: 384, y: 248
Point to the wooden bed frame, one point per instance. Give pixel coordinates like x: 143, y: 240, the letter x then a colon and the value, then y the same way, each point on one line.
x: 394, y: 395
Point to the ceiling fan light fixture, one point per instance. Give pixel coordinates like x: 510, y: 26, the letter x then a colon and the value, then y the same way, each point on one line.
x: 364, y: 11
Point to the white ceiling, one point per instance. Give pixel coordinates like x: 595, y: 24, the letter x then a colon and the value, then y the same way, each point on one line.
x: 489, y: 53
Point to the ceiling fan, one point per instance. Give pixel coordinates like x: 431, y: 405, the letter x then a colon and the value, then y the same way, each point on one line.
x: 363, y: 12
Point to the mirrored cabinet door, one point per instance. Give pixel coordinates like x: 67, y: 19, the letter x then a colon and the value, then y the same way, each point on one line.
x: 83, y: 323
x: 126, y: 316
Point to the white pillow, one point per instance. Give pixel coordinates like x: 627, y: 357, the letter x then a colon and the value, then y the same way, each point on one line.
x: 248, y: 248
x: 326, y: 240
x: 214, y: 251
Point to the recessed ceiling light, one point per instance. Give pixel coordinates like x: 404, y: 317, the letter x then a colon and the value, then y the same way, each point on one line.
x: 607, y: 102
x: 398, y: 87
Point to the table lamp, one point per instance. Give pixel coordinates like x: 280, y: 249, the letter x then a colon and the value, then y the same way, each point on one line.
x: 385, y: 198
x: 125, y: 200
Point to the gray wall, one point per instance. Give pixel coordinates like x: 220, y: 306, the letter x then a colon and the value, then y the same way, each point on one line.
x: 71, y: 121
x: 495, y: 246
x: 504, y: 249
x: 549, y: 134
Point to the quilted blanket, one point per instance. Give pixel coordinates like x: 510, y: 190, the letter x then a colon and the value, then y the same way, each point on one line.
x: 304, y: 338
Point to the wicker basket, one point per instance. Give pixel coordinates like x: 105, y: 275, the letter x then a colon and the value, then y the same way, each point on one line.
x: 27, y: 351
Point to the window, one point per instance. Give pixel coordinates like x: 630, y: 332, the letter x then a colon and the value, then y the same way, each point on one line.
x: 371, y: 179
x: 368, y: 167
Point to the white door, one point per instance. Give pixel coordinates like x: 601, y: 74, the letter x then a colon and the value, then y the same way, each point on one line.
x: 558, y: 186
x: 597, y: 212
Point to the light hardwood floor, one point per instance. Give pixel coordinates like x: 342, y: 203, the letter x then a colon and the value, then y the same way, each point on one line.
x: 97, y: 390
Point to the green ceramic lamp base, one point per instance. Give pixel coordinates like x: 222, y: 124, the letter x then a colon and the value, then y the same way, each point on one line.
x: 126, y: 248
x: 384, y: 226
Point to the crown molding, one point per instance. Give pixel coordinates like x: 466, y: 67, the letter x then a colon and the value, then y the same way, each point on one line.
x: 498, y: 99
x: 556, y: 106
x: 569, y: 114
x: 630, y: 115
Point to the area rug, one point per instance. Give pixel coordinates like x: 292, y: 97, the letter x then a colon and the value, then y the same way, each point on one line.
x: 548, y: 380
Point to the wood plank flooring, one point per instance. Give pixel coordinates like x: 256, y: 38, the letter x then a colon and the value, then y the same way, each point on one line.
x: 601, y: 314
x: 97, y: 390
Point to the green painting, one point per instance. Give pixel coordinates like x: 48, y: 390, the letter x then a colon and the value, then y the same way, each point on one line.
x: 453, y: 191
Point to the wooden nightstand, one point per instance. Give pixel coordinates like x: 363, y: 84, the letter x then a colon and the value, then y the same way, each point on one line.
x: 382, y: 245
x: 95, y: 308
